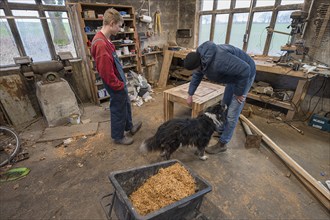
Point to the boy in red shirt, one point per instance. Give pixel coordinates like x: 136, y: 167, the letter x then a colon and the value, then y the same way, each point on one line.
x: 113, y: 77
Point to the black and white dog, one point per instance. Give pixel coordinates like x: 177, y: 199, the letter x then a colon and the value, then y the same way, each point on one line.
x: 186, y: 132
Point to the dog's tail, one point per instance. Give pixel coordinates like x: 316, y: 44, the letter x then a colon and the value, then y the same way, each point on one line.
x: 149, y: 145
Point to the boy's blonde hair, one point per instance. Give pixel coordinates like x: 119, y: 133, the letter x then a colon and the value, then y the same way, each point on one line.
x: 112, y: 14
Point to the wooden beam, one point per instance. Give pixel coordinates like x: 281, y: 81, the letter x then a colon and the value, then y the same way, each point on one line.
x: 165, y: 68
x: 318, y: 190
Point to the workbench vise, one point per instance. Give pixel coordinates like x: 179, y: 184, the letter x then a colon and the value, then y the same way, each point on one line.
x: 48, y: 70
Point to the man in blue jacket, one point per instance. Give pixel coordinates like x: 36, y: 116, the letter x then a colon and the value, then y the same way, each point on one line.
x: 222, y: 64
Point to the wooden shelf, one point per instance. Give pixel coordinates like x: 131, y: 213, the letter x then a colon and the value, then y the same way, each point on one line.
x: 270, y: 100
x: 121, y: 45
x: 153, y: 52
x: 126, y: 32
x: 129, y: 66
x: 101, y: 19
x: 94, y: 23
x: 93, y: 19
x: 105, y: 97
x: 125, y: 56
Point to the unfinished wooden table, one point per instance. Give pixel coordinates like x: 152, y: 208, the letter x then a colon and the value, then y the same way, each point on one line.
x: 207, y: 94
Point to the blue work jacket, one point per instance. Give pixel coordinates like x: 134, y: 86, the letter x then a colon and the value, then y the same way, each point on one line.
x: 226, y: 64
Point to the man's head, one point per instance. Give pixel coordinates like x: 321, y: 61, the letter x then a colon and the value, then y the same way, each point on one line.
x: 113, y: 19
x: 192, y: 61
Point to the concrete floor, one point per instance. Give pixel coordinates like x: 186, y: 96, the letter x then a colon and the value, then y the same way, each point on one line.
x: 68, y: 182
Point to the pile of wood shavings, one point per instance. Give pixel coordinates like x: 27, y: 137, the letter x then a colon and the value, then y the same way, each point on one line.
x: 169, y: 185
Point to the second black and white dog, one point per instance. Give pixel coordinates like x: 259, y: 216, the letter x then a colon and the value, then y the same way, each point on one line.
x: 186, y: 132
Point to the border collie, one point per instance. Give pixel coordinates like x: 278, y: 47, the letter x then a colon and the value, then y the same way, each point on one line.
x: 184, y: 132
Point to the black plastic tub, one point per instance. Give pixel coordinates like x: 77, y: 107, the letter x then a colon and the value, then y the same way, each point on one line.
x: 126, y: 182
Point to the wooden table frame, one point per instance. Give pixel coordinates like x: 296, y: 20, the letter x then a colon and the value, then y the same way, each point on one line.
x: 207, y: 94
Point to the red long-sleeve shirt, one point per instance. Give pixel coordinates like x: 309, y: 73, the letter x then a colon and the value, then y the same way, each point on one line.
x: 102, y: 51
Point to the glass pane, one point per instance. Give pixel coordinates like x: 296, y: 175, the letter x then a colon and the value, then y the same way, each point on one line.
x: 204, y: 28
x: 23, y: 1
x: 242, y: 4
x: 61, y: 32
x: 32, y: 35
x: 258, y: 32
x: 223, y: 4
x: 220, y: 31
x: 282, y: 23
x: 265, y: 3
x: 289, y: 2
x: 238, y: 29
x: 207, y: 5
x: 8, y: 49
x: 53, y: 2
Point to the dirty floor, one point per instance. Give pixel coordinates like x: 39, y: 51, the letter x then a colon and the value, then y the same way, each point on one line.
x: 67, y: 182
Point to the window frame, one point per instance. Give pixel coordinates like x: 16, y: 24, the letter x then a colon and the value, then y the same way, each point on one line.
x: 41, y: 9
x: 252, y: 9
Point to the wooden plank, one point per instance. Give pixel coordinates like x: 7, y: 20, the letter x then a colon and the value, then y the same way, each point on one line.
x: 323, y: 194
x: 63, y: 132
x: 15, y: 101
x: 165, y: 68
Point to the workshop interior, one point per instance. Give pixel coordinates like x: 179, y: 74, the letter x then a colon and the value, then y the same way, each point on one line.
x: 57, y: 156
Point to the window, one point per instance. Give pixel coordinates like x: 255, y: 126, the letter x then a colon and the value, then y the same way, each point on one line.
x: 23, y: 1
x: 289, y: 2
x: 235, y: 21
x: 53, y: 2
x: 32, y: 35
x: 223, y: 4
x: 43, y: 30
x: 282, y: 23
x: 258, y: 32
x: 261, y: 3
x: 207, y: 5
x: 238, y: 29
x: 220, y: 31
x: 8, y: 48
x: 242, y: 3
x: 61, y: 32
x: 204, y: 28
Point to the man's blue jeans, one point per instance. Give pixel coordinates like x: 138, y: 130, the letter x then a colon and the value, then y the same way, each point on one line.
x: 233, y: 111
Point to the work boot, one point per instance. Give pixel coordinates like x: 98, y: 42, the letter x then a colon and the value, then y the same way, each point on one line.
x: 217, y: 148
x: 124, y: 141
x: 135, y: 128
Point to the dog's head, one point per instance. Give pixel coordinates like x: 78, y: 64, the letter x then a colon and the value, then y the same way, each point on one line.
x: 217, y: 113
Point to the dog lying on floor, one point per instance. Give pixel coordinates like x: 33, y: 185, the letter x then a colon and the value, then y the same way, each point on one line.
x: 184, y: 132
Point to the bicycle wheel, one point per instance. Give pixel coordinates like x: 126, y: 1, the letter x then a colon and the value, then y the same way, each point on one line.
x: 9, y: 145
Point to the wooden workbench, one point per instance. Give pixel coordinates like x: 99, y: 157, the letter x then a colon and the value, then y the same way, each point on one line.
x: 207, y: 94
x: 262, y: 65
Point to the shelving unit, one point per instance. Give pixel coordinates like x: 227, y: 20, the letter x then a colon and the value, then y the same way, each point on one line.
x: 91, y: 20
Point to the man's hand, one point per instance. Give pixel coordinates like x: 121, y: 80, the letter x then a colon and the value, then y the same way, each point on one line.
x: 189, y: 100
x: 240, y: 99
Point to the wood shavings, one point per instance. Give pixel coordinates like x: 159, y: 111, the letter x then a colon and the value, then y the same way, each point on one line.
x: 169, y: 185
